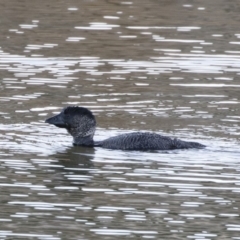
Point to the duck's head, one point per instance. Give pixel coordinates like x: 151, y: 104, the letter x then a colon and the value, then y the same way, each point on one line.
x: 78, y: 121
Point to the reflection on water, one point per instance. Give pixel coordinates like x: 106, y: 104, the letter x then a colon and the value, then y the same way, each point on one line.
x: 166, y: 66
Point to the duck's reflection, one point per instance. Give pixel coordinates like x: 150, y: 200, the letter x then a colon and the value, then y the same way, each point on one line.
x: 73, y: 167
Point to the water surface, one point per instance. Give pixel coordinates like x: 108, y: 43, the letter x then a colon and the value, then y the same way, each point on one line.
x: 166, y: 66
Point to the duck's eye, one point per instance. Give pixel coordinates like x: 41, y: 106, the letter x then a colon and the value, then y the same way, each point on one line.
x: 65, y: 111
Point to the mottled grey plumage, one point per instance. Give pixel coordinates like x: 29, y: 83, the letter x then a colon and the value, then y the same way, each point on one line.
x: 81, y: 124
x: 146, y: 141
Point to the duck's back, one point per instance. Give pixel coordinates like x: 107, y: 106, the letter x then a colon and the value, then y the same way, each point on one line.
x: 146, y: 141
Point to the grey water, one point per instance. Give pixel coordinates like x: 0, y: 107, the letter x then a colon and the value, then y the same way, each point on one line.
x: 166, y: 66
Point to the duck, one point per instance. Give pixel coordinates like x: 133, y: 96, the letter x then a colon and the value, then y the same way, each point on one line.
x: 80, y: 123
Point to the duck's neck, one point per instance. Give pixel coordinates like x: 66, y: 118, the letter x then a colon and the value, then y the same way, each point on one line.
x: 84, y: 141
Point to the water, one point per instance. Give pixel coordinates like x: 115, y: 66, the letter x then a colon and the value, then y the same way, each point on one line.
x: 166, y: 66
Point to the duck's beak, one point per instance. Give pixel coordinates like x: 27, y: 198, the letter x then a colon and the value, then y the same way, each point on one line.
x: 57, y: 121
